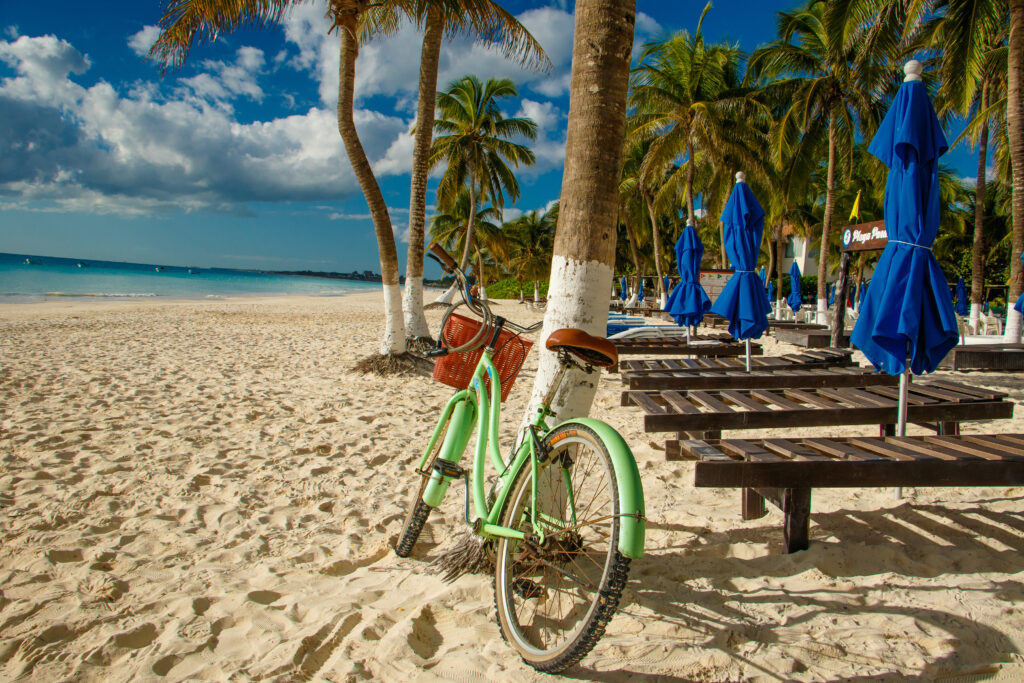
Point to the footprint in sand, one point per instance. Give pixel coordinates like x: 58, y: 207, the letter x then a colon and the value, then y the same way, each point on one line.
x: 264, y: 597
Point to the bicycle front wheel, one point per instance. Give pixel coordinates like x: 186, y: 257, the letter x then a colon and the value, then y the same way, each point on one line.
x: 555, y: 598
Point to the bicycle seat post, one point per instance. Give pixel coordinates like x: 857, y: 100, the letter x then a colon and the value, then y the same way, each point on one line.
x: 565, y: 361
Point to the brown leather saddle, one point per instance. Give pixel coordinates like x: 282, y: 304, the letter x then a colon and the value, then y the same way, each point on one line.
x: 596, y: 351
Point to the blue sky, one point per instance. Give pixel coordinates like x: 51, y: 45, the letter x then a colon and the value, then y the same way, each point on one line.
x: 235, y: 159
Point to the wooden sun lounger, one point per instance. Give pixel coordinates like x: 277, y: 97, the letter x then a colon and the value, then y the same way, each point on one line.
x: 784, y: 471
x: 985, y: 357
x: 793, y: 325
x: 704, y: 414
x: 807, y: 338
x: 810, y: 358
x: 793, y: 377
x: 677, y: 344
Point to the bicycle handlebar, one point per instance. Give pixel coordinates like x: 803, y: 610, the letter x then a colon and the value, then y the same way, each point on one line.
x: 479, y: 307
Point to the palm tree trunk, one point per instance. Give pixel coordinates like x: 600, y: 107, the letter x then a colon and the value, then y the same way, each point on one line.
x: 657, y: 242
x: 584, y: 250
x: 826, y: 224
x: 632, y: 246
x: 977, y: 258
x: 481, y: 280
x: 472, y: 215
x: 1015, y: 119
x: 689, y: 184
x: 394, y: 325
x: 778, y: 271
x: 723, y: 259
x: 412, y: 302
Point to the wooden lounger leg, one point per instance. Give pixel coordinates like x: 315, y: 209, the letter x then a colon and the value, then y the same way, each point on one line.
x: 886, y: 430
x: 949, y: 429
x: 797, y: 508
x: 752, y: 504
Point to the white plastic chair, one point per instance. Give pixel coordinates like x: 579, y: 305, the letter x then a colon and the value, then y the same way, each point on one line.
x: 990, y: 324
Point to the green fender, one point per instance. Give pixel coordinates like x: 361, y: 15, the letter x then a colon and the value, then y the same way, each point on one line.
x: 633, y: 523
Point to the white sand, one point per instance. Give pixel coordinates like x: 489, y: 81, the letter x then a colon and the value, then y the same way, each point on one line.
x: 202, y: 490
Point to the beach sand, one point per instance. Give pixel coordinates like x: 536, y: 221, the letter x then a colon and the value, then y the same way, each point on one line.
x: 203, y: 490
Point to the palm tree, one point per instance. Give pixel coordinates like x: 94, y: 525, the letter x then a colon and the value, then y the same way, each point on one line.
x: 967, y: 36
x: 584, y: 249
x: 831, y: 73
x: 530, y: 240
x: 478, y: 143
x: 441, y: 18
x: 687, y: 100
x: 1015, y: 121
x: 631, y: 200
x: 448, y: 228
x: 186, y: 21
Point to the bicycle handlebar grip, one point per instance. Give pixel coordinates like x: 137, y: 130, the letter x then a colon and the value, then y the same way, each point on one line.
x: 434, y: 353
x: 447, y: 262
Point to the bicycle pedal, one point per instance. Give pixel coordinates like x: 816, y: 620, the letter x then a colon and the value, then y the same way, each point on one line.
x: 448, y: 469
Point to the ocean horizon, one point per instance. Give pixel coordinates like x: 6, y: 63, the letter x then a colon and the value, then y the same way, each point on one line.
x: 29, y: 278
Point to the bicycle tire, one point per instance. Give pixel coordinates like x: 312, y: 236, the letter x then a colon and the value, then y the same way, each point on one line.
x: 414, y: 522
x: 418, y: 511
x: 520, y: 578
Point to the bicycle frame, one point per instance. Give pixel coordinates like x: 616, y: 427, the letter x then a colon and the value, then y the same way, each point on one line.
x: 486, y: 413
x: 467, y: 407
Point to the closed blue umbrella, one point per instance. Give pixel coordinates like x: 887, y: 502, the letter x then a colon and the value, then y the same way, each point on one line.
x: 771, y: 291
x: 622, y: 288
x: 832, y: 294
x: 961, y: 297
x: 742, y: 301
x: 761, y: 274
x: 1019, y: 305
x: 908, y: 309
x: 640, y: 292
x: 665, y: 284
x: 861, y: 293
x: 795, y: 298
x: 688, y: 302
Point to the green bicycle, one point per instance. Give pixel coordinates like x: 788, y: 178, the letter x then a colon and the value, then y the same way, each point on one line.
x: 566, y: 513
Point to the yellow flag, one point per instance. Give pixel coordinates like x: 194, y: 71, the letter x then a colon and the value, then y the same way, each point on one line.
x: 855, y: 211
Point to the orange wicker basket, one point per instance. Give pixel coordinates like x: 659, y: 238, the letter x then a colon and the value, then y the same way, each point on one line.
x: 456, y: 369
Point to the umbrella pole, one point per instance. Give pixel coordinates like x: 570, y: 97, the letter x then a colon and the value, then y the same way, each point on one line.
x: 748, y: 355
x: 901, y: 419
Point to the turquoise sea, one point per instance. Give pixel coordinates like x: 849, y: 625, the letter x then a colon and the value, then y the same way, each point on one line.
x: 27, y: 278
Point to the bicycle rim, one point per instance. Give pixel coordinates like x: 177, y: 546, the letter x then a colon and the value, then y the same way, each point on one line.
x: 554, y: 600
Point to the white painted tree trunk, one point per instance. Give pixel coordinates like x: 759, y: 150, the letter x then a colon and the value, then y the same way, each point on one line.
x: 1011, y: 333
x: 780, y: 310
x: 412, y: 306
x: 536, y: 291
x: 664, y: 301
x: 448, y: 296
x: 822, y: 311
x: 570, y: 304
x: 394, y: 322
x: 972, y: 322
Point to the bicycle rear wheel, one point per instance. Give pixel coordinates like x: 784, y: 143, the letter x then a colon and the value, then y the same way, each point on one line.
x: 555, y: 598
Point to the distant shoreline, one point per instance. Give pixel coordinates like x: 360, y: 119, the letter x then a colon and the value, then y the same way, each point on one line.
x: 365, y: 276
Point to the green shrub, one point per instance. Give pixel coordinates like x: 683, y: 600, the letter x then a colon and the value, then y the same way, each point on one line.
x: 510, y: 289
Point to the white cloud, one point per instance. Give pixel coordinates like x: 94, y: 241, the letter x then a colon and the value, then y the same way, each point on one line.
x: 141, y: 42
x: 390, y: 65
x: 95, y: 149
x: 11, y: 31
x: 549, y: 147
x: 223, y: 82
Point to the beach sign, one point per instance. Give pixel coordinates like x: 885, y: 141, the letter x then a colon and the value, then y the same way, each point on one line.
x: 865, y: 236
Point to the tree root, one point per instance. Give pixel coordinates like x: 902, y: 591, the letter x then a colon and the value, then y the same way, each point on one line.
x: 393, y: 364
x: 470, y: 554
